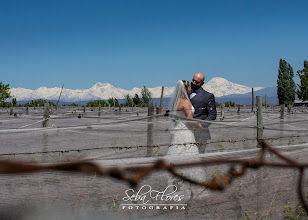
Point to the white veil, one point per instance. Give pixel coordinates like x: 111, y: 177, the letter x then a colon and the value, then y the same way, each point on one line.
x: 179, y: 92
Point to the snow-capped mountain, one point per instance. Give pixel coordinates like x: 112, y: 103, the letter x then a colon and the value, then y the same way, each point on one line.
x: 218, y: 86
x: 221, y: 87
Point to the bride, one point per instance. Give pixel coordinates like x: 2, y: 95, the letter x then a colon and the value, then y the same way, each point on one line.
x: 182, y: 137
x: 183, y: 140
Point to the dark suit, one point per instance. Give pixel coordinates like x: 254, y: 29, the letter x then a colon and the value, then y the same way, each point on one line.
x: 205, y: 109
x: 204, y: 104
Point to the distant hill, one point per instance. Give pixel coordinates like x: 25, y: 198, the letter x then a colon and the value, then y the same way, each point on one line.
x: 245, y: 99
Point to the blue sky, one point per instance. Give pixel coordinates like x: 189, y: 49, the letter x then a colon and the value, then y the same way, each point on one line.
x: 153, y: 43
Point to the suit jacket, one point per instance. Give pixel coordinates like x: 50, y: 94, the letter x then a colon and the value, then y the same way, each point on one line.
x: 204, y: 104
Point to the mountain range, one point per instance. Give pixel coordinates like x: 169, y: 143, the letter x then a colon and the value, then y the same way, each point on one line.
x: 220, y: 87
x: 245, y: 99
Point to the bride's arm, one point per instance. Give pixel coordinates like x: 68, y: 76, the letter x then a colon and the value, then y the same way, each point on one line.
x: 186, y: 106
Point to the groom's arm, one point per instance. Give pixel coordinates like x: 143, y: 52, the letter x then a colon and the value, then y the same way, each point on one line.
x: 210, y: 106
x: 212, y: 113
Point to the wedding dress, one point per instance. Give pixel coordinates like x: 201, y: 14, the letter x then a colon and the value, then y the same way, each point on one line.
x: 183, y: 144
x: 180, y: 135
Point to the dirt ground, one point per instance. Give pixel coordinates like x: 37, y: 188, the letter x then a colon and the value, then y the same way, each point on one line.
x: 121, y: 138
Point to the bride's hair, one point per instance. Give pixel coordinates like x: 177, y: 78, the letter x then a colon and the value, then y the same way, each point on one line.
x: 180, y: 92
x: 186, y: 84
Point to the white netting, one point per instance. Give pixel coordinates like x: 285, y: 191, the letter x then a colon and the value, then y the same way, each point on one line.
x: 128, y: 138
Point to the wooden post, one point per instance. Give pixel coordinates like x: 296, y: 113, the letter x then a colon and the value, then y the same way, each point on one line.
x: 265, y: 102
x: 51, y: 109
x: 84, y: 109
x: 59, y: 99
x: 45, y: 115
x: 259, y: 120
x: 222, y: 116
x: 161, y: 100
x: 109, y: 107
x: 150, y: 129
x: 157, y: 110
x: 282, y: 111
x: 11, y: 110
x: 58, y: 109
x: 27, y: 110
x: 99, y: 110
x: 252, y: 99
x: 113, y: 104
x: 238, y: 108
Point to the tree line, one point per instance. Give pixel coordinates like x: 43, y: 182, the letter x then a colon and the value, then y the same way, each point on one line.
x: 142, y: 101
x: 286, y: 87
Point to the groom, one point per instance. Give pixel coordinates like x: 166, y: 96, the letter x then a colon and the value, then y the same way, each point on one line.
x: 205, y: 109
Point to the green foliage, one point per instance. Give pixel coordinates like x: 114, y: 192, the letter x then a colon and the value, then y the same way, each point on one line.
x: 116, y: 102
x: 146, y: 95
x: 33, y: 103
x: 96, y: 103
x: 14, y: 102
x: 36, y: 103
x: 113, y: 101
x: 230, y: 104
x: 297, y: 214
x: 136, y: 99
x: 4, y: 92
x: 291, y: 141
x: 220, y: 148
x: 6, y: 105
x: 302, y: 91
x: 246, y: 216
x: 113, y: 204
x: 72, y: 104
x: 128, y: 100
x: 285, y: 83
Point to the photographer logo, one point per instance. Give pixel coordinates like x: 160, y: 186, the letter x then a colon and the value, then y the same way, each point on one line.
x: 147, y: 198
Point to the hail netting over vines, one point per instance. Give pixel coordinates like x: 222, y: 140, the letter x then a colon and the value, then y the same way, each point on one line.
x: 129, y: 138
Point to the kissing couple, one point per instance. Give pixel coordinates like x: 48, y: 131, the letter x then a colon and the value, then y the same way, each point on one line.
x: 190, y: 100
